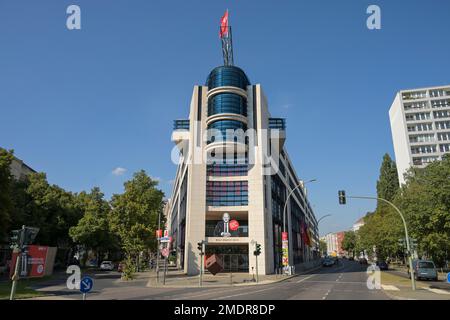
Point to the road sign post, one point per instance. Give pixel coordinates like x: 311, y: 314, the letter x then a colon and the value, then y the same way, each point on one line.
x: 86, y: 285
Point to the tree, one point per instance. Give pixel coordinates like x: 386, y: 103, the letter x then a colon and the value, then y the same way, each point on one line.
x: 387, y: 184
x: 135, y: 213
x: 6, y: 203
x: 425, y: 201
x: 92, y: 230
x: 323, y: 247
x: 349, y: 242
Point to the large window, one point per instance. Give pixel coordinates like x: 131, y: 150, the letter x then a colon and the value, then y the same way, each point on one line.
x: 441, y: 125
x: 227, y: 103
x: 227, y: 76
x: 228, y: 130
x: 226, y: 193
x: 227, y: 170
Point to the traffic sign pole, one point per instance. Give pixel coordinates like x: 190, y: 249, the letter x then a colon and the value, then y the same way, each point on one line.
x: 15, y: 276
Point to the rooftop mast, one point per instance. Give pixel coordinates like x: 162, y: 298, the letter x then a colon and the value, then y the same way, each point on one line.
x: 227, y: 40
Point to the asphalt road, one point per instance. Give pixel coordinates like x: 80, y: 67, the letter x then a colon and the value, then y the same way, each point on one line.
x: 346, y: 281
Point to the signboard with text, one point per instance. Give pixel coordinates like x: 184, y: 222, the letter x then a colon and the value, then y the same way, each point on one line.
x: 32, y: 262
x: 285, y: 249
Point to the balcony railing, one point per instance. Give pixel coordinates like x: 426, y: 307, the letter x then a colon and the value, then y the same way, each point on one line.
x: 277, y: 123
x: 181, y: 125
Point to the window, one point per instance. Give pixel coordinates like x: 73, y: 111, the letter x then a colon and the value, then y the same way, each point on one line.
x: 227, y: 76
x: 227, y: 193
x: 444, y: 136
x: 436, y: 93
x: 420, y: 127
x: 421, y: 138
x: 444, y: 147
x: 227, y: 103
x: 423, y: 149
x: 228, y: 130
x: 442, y: 125
x: 227, y: 170
x: 442, y: 114
x: 440, y: 103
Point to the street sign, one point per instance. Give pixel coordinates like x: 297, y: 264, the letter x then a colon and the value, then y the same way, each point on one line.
x: 158, y: 233
x: 86, y: 284
x: 448, y: 277
x: 165, y: 252
x: 166, y: 233
x: 164, y: 239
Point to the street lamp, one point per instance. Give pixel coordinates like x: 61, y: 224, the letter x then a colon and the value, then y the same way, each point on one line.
x: 320, y: 219
x: 301, y: 184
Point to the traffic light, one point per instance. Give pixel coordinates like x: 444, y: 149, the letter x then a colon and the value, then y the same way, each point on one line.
x: 200, y: 247
x: 342, y: 199
x: 257, y: 251
x: 30, y: 235
x: 15, y: 239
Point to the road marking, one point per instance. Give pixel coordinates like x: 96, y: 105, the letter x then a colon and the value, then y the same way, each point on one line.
x: 389, y: 287
x: 438, y: 291
x: 242, y: 294
x: 301, y: 280
x: 326, y: 294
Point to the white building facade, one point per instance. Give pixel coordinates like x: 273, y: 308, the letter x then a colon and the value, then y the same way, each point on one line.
x: 232, y: 159
x: 420, y: 125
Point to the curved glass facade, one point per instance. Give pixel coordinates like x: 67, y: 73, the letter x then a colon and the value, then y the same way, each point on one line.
x: 227, y: 129
x: 227, y: 103
x: 227, y: 76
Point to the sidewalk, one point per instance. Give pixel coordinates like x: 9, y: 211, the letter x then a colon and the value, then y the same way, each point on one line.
x: 399, y: 288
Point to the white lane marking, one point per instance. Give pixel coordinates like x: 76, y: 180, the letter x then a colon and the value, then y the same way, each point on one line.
x: 389, y: 287
x: 326, y: 294
x: 242, y: 294
x: 306, y: 278
x: 438, y: 291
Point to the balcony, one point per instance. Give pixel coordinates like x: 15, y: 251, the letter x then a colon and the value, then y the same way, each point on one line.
x: 277, y: 123
x: 181, y: 125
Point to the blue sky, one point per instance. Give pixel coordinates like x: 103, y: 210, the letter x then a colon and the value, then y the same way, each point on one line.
x: 79, y: 104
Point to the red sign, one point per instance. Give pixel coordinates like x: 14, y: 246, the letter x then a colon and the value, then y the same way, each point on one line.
x: 32, y: 261
x: 234, y: 225
x: 166, y: 233
x: 284, y: 236
x: 165, y: 252
x: 158, y: 233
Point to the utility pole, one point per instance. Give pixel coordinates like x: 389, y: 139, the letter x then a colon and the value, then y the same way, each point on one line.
x: 342, y: 200
x: 157, y: 249
x: 17, y: 249
x: 201, y: 249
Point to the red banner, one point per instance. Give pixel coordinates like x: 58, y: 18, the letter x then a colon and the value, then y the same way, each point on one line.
x: 284, y: 236
x: 32, y: 262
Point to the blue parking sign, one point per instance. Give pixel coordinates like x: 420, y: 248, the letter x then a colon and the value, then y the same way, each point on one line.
x: 86, y: 284
x: 448, y: 277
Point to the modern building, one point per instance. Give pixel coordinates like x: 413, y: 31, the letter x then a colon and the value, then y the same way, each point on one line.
x: 233, y: 179
x: 420, y: 125
x: 19, y: 169
x: 358, y: 224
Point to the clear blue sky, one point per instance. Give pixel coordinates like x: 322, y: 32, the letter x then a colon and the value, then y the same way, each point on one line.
x: 78, y: 104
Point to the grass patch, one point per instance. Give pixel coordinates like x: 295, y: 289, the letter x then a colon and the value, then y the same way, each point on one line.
x: 23, y: 289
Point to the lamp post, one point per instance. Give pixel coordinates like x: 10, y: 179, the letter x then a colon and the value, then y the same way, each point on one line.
x: 301, y: 184
x: 320, y: 219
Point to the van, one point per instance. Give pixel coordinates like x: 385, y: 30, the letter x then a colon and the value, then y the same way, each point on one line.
x: 424, y: 269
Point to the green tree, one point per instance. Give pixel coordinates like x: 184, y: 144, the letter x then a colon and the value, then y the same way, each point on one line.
x: 387, y: 184
x: 135, y: 213
x: 92, y: 229
x: 323, y: 247
x: 425, y: 201
x: 349, y: 242
x: 6, y: 202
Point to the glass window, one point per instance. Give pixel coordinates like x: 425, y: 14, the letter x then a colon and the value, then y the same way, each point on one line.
x: 227, y: 103
x: 227, y: 193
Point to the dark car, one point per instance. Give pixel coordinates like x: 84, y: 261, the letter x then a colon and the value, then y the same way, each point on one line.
x: 382, y: 265
x: 327, y: 262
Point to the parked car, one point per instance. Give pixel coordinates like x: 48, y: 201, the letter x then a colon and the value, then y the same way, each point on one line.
x: 363, y: 261
x: 107, y: 266
x: 327, y: 262
x: 424, y: 269
x: 382, y: 265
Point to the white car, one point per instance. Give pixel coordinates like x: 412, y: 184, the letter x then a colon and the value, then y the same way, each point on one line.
x: 107, y: 266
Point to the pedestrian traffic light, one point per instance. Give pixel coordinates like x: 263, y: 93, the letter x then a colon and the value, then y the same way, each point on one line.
x: 257, y: 251
x: 342, y: 199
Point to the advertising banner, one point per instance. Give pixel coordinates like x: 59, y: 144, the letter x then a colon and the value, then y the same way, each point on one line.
x: 32, y: 262
x: 285, y: 248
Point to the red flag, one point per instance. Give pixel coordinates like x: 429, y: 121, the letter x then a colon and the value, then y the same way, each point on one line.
x: 224, y: 25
